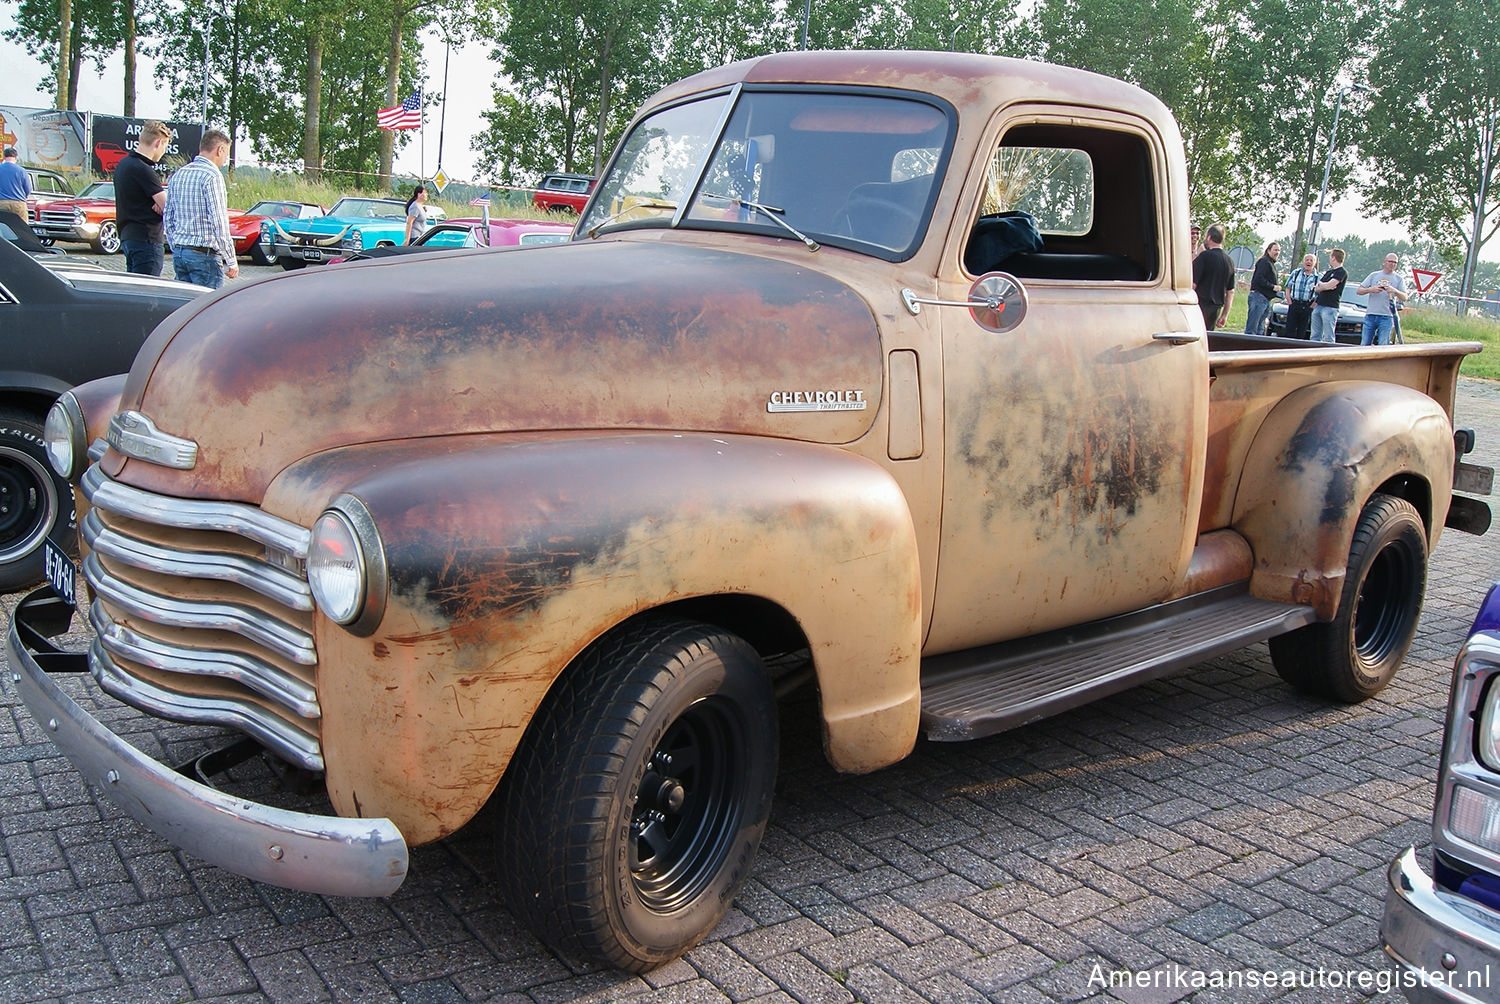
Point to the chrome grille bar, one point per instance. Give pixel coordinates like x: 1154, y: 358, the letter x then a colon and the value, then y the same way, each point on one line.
x: 255, y: 674
x: 270, y: 581
x: 238, y: 713
x: 195, y: 514
x: 205, y: 614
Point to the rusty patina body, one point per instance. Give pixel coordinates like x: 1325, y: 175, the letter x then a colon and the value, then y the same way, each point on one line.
x: 557, y: 440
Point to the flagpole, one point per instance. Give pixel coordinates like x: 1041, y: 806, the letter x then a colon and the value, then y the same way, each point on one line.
x: 443, y: 117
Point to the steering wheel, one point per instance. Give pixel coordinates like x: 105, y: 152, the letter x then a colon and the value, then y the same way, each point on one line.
x: 877, y: 218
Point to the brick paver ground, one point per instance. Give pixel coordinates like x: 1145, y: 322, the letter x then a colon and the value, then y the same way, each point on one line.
x: 1211, y: 822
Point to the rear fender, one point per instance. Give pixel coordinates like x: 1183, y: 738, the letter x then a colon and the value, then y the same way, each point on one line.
x: 507, y: 555
x: 1320, y: 454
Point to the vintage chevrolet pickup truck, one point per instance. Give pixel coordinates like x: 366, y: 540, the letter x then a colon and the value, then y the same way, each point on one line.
x: 880, y: 373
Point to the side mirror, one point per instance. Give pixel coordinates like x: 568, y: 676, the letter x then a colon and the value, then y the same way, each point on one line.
x: 997, y: 302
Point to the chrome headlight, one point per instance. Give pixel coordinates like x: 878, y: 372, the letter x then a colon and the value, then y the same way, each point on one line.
x: 63, y: 436
x: 79, y: 216
x: 265, y: 233
x: 346, y: 565
x: 354, y: 240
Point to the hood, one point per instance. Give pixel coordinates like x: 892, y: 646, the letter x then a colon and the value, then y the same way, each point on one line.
x: 577, y: 336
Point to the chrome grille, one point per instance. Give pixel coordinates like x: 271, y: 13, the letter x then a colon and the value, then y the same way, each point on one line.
x: 203, y: 614
x: 64, y: 218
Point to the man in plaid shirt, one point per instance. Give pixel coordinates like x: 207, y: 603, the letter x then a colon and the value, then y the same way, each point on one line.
x: 196, y: 216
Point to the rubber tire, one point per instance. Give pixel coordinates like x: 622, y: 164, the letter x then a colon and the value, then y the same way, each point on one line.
x: 1352, y: 657
x: 291, y: 264
x: 258, y: 256
x: 34, y: 501
x: 581, y: 780
x: 108, y: 241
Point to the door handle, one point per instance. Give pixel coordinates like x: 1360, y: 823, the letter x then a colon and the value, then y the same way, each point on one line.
x: 1177, y: 337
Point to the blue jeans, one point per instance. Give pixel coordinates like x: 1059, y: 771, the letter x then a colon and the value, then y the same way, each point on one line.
x: 143, y: 257
x: 201, y: 267
x: 1325, y: 320
x: 1258, y: 309
x: 1377, y: 330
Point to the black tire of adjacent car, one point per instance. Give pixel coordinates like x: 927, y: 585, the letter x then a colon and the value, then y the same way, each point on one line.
x: 291, y: 264
x: 33, y: 501
x: 108, y: 241
x: 1352, y: 657
x: 258, y: 255
x: 634, y: 805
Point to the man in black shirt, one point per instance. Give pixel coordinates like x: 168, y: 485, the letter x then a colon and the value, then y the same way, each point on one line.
x: 1213, y: 278
x: 1329, y: 289
x: 1264, y: 287
x: 139, y: 197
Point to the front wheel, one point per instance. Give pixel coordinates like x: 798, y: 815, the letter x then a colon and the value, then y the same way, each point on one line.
x: 33, y: 501
x: 1352, y: 657
x: 634, y: 805
x: 108, y: 241
x: 258, y: 255
x: 291, y: 264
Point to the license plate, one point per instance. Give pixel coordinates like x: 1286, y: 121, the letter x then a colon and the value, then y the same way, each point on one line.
x: 312, y: 255
x: 62, y: 574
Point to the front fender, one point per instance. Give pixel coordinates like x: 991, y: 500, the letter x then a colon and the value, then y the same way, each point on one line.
x: 1316, y: 460
x: 507, y: 555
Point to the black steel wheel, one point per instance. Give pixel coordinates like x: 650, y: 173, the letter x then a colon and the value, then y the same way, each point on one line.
x: 33, y: 501
x: 633, y: 808
x: 1353, y: 657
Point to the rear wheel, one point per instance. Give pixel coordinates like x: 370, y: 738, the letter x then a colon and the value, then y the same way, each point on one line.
x: 1352, y: 657
x: 633, y: 808
x: 33, y: 501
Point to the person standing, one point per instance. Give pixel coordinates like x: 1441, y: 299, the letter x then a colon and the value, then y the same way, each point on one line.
x: 1264, y: 288
x: 416, y: 215
x: 139, y: 198
x: 1213, y: 278
x: 15, y: 184
x: 196, y: 216
x: 1299, y: 297
x: 1329, y: 291
x: 1385, y: 288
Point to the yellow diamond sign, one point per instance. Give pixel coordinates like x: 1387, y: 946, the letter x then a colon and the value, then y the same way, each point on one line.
x: 440, y: 181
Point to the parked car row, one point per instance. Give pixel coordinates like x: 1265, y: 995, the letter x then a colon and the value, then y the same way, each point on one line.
x: 1347, y: 328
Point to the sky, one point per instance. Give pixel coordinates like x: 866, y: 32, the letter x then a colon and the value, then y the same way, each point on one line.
x: 470, y: 78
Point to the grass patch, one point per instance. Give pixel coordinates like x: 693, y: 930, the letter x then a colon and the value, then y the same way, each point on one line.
x: 1423, y: 324
x: 245, y: 190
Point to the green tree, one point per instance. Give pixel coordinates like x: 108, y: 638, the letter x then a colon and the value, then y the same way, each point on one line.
x: 1178, y: 50
x: 1289, y: 83
x: 66, y: 34
x: 1431, y: 125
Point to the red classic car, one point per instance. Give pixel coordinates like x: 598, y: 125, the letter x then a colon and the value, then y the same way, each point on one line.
x: 88, y: 218
x: 244, y: 226
x: 46, y: 187
x: 567, y: 192
x: 508, y: 232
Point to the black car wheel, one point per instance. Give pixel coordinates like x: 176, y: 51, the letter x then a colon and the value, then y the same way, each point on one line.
x: 33, y: 501
x: 1352, y: 657
x: 291, y: 264
x: 632, y: 810
x: 258, y: 255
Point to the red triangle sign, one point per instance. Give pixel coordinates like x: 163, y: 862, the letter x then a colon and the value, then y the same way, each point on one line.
x: 1424, y: 279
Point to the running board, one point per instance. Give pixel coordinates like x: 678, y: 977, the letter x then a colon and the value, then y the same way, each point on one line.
x: 981, y: 691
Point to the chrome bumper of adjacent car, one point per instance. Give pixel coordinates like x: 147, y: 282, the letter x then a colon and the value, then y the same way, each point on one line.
x: 1445, y: 947
x: 296, y: 850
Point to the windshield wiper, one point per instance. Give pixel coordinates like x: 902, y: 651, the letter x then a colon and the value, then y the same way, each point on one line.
x: 649, y: 204
x: 772, y: 213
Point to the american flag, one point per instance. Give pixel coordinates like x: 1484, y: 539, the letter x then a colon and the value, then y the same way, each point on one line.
x: 480, y: 200
x: 406, y: 115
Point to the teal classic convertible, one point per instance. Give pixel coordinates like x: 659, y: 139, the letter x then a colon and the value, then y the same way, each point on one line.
x: 353, y: 224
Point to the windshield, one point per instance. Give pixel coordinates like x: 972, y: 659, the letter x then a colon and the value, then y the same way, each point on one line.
x: 855, y: 170
x: 99, y: 190
x: 276, y: 210
x: 366, y: 209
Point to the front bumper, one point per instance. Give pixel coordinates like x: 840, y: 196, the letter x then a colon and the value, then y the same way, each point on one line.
x: 1445, y: 947
x: 83, y: 233
x: 297, y: 850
